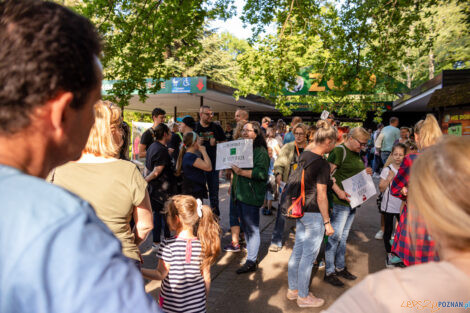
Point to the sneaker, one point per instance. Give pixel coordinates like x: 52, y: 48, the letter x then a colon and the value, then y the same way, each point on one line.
x: 345, y: 274
x: 321, y: 264
x: 248, y: 267
x: 155, y: 247
x: 388, y: 263
x: 267, y: 212
x: 292, y: 294
x: 310, y: 301
x: 395, y: 260
x: 274, y: 248
x: 333, y: 280
x: 232, y: 247
x: 379, y: 235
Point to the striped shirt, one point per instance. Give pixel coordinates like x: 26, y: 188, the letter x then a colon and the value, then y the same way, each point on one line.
x: 183, y: 289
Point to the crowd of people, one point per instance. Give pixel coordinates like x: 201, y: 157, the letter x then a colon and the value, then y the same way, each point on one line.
x: 79, y: 210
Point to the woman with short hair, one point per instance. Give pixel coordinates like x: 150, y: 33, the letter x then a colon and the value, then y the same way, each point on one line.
x: 438, y: 196
x: 115, y: 188
x: 310, y: 229
x: 345, y: 162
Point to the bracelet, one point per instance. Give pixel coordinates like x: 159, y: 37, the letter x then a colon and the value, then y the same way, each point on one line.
x: 326, y: 222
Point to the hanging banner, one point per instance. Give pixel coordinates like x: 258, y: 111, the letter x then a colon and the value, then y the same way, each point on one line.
x: 360, y: 187
x: 237, y: 152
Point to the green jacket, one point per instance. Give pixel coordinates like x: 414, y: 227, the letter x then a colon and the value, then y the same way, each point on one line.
x: 252, y: 190
x: 284, y: 161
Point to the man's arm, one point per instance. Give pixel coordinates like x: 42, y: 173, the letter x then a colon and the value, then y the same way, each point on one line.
x: 157, y: 170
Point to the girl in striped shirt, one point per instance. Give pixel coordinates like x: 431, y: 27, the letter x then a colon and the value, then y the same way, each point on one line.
x: 185, y: 260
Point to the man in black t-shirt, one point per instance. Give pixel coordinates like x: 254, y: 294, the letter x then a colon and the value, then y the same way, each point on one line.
x: 161, y: 180
x: 148, y: 137
x: 229, y: 132
x: 211, y: 134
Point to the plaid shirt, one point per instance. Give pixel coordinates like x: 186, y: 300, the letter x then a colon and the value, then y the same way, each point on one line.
x: 422, y: 249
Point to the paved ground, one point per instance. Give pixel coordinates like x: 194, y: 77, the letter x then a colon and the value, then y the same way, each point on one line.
x: 264, y: 290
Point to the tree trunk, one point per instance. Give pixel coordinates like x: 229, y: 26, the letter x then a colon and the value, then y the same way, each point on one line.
x: 431, y: 64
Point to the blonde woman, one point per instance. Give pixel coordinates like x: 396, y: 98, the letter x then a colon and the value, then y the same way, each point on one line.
x: 427, y: 133
x: 310, y: 229
x: 345, y: 162
x: 115, y: 188
x: 439, y: 196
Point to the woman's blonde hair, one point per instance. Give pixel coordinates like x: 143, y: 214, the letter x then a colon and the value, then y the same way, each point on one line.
x: 325, y: 131
x: 101, y: 140
x: 428, y: 131
x: 205, y: 228
x: 438, y: 191
x: 359, y: 132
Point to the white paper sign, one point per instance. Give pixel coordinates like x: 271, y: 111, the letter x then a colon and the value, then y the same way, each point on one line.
x: 237, y: 152
x: 324, y: 115
x: 360, y: 187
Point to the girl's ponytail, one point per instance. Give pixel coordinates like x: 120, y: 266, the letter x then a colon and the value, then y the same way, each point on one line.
x: 179, y: 162
x: 188, y: 140
x: 208, y: 232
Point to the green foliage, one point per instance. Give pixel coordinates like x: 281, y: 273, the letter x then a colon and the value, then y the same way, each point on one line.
x: 345, y: 43
x: 140, y: 35
x: 130, y: 116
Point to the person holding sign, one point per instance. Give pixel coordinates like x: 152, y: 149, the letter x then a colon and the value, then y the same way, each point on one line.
x: 248, y: 191
x: 345, y: 162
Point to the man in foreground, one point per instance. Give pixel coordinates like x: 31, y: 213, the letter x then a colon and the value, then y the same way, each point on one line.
x: 56, y: 255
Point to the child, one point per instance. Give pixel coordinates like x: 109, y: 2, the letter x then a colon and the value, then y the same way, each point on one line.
x: 185, y: 260
x: 268, y: 200
x: 390, y: 206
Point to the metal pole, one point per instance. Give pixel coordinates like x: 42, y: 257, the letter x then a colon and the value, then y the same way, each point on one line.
x: 175, y: 111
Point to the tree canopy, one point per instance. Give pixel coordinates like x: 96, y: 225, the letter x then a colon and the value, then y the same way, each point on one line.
x: 343, y: 42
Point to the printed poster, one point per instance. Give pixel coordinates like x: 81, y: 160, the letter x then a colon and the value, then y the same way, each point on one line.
x: 360, y: 187
x: 138, y: 128
x: 237, y: 152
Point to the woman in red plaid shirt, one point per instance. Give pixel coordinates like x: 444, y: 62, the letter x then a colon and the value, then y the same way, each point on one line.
x: 427, y: 133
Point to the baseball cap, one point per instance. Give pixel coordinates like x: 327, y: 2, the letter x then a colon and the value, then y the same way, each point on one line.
x: 188, y: 120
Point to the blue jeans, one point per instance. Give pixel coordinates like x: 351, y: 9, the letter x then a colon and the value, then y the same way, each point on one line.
x: 341, y: 219
x: 212, y: 179
x: 308, y: 238
x: 278, y: 232
x: 377, y: 164
x: 234, y: 217
x: 249, y: 218
x: 384, y: 156
x: 159, y: 222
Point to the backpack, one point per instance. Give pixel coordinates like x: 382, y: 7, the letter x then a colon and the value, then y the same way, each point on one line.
x: 292, y: 202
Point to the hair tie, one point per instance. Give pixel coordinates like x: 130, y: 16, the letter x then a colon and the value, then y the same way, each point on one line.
x: 199, y: 207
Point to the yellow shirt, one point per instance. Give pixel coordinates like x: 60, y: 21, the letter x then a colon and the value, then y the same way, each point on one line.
x: 113, y: 189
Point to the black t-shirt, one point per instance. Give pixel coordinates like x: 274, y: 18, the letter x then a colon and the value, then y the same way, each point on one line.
x: 162, y: 187
x: 175, y: 143
x: 147, y: 138
x: 206, y: 133
x: 229, y: 135
x: 316, y: 173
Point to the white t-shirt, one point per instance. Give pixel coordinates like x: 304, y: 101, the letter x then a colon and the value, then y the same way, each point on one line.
x: 430, y: 287
x: 272, y: 143
x: 390, y: 204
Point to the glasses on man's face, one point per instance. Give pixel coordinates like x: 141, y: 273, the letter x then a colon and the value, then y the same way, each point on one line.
x: 207, y: 114
x: 362, y: 144
x: 299, y: 134
x: 247, y: 130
